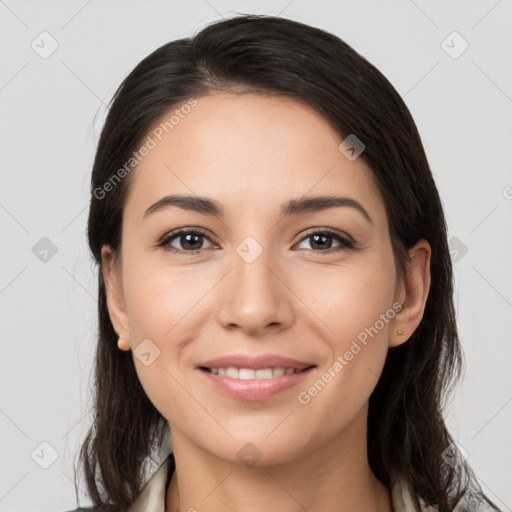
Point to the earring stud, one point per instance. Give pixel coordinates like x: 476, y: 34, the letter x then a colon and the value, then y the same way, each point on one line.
x: 399, y: 332
x: 122, y: 344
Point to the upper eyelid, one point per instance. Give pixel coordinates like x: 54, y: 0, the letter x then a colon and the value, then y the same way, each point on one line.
x: 329, y: 231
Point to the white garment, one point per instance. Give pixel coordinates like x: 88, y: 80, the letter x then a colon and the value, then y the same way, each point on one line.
x: 152, y: 498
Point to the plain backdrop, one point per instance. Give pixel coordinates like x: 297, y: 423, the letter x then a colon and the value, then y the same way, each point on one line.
x: 458, y: 88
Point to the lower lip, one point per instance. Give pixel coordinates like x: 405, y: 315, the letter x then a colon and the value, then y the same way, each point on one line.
x: 254, y: 389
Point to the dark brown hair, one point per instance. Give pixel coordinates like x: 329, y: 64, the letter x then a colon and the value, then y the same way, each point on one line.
x: 406, y: 430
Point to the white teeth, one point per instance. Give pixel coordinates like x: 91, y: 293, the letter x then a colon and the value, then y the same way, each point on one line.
x: 249, y: 374
x: 232, y: 372
x: 246, y: 374
x: 264, y: 373
x: 277, y: 372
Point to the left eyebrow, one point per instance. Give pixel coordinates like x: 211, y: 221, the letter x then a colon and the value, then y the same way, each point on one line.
x: 193, y: 203
x: 207, y: 206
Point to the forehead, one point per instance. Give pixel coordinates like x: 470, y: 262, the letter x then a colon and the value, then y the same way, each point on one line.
x: 247, y: 151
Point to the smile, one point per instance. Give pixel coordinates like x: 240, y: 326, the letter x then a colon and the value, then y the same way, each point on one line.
x: 250, y: 374
x: 251, y: 384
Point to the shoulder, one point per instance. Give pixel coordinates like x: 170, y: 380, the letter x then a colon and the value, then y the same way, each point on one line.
x: 155, y: 486
x: 404, y: 499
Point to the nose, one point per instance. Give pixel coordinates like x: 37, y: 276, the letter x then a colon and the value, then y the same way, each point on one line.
x: 254, y: 296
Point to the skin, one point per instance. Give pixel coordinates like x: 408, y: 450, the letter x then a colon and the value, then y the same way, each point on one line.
x: 252, y: 153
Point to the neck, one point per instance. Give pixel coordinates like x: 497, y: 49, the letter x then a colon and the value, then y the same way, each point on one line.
x: 335, y: 476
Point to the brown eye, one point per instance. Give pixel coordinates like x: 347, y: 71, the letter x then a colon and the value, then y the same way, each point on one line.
x: 185, y: 240
x: 321, y: 241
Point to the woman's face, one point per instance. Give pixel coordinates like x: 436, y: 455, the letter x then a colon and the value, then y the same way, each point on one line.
x: 262, y: 279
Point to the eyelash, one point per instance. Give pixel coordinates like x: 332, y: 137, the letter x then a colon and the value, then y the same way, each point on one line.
x: 346, y: 242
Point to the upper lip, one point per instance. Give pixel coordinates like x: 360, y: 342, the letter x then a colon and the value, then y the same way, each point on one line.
x: 255, y: 362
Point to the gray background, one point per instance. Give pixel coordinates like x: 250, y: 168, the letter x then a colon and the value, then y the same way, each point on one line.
x: 52, y: 111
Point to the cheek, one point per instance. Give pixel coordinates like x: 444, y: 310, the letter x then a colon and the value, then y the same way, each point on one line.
x: 348, y: 299
x: 159, y: 298
x: 356, y: 307
x: 352, y: 311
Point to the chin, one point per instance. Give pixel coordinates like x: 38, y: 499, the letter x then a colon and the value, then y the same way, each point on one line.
x: 258, y: 448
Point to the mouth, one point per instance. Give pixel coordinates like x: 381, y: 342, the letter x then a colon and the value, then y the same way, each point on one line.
x: 233, y: 372
x: 254, y: 378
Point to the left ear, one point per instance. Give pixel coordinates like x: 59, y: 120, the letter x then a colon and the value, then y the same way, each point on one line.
x: 412, y: 293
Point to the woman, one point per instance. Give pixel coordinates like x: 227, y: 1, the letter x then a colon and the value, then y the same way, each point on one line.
x: 275, y: 286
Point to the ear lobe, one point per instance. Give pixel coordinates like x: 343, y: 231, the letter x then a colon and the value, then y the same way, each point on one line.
x: 111, y: 272
x: 416, y: 287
